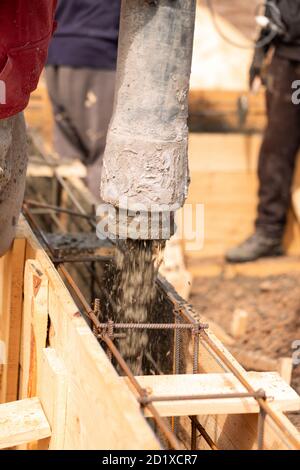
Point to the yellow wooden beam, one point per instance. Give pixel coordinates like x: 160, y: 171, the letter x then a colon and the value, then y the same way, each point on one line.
x: 282, y: 396
x: 22, y: 422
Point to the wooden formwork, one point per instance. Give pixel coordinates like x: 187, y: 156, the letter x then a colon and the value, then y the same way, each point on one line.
x: 52, y: 356
x: 59, y: 390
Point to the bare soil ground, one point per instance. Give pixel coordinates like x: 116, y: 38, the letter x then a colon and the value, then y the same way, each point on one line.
x: 273, y: 305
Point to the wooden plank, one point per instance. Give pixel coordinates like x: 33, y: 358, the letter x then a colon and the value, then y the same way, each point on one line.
x: 228, y: 153
x: 219, y: 332
x: 11, y: 299
x: 285, y: 368
x: 39, y: 115
x: 94, y: 392
x: 216, y: 266
x: 284, y: 444
x: 226, y: 100
x: 222, y: 167
x: 253, y: 360
x: 52, y: 392
x: 22, y: 422
x: 221, y: 188
x: 73, y: 169
x: 94, y: 395
x: 82, y: 188
x: 34, y: 327
x: 283, y: 397
x: 174, y: 270
x: 296, y: 202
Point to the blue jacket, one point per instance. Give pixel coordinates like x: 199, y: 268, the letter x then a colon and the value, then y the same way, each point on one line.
x: 87, y: 34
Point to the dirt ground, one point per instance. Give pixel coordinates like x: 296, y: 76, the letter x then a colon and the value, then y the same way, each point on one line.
x: 273, y: 305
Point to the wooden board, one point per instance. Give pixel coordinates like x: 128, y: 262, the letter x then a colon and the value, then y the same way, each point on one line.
x: 52, y: 390
x: 216, y: 266
x: 224, y: 180
x: 39, y: 114
x: 223, y: 153
x: 73, y: 169
x: 282, y: 396
x: 11, y: 299
x: 227, y: 110
x: 22, y: 422
x: 34, y: 328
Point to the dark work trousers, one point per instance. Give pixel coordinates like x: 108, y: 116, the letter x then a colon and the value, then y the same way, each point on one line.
x: 82, y: 101
x: 279, y: 149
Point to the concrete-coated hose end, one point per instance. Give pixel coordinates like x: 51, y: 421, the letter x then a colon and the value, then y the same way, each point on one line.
x: 146, y: 155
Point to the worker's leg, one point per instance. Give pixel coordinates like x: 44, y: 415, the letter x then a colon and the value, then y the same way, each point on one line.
x: 65, y: 137
x: 279, y: 150
x: 276, y: 165
x: 13, y: 164
x: 83, y: 102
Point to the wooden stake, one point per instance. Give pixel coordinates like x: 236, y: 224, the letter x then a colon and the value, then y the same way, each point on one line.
x: 239, y: 323
x: 285, y: 368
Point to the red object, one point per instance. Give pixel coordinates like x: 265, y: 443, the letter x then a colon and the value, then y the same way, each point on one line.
x: 26, y: 28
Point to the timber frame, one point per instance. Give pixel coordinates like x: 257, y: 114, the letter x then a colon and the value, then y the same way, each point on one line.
x: 58, y: 375
x: 53, y: 357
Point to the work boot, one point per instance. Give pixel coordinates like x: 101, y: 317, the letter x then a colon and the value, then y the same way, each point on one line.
x: 257, y: 246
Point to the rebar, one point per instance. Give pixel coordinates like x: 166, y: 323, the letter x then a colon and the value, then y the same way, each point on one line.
x: 177, y: 347
x: 261, y: 429
x: 154, y: 326
x: 80, y: 259
x: 211, y: 396
x: 195, y: 335
x: 58, y: 209
x: 97, y: 311
x: 110, y: 333
x: 203, y: 433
